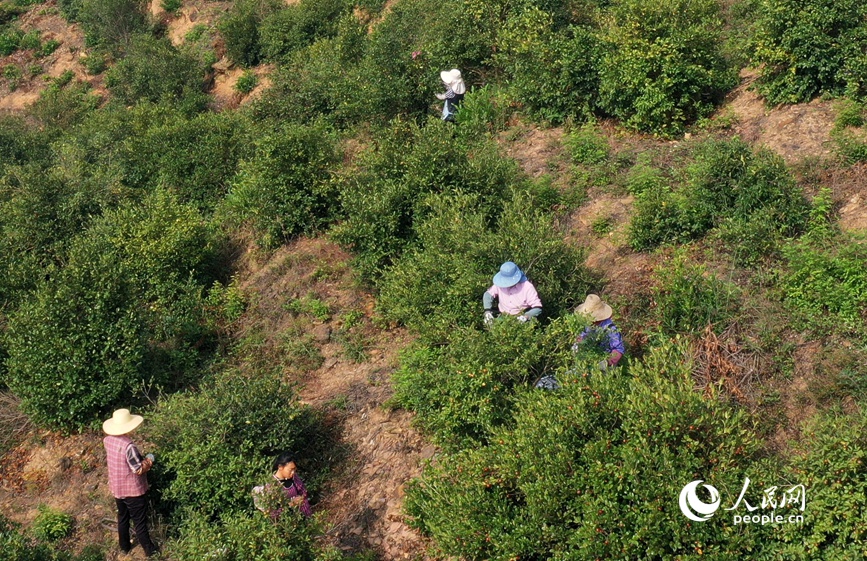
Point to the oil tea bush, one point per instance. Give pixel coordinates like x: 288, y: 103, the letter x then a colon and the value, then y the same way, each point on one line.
x: 593, y: 471
x: 808, y: 48
x: 216, y: 443
x: 283, y: 189
x: 384, y: 198
x: 249, y: 536
x: 751, y: 196
x: 831, y: 465
x: 52, y: 525
x: 552, y: 72
x: 240, y: 30
x: 110, y: 24
x: 155, y: 70
x: 463, y: 390
x: 439, y: 284
x: 688, y: 298
x: 124, y: 310
x: 299, y: 25
x: 826, y: 284
x: 662, y: 66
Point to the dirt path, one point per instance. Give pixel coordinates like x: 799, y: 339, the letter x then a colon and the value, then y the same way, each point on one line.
x: 351, y: 385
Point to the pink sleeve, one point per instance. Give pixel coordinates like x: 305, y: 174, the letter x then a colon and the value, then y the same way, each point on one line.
x: 494, y: 291
x: 532, y: 297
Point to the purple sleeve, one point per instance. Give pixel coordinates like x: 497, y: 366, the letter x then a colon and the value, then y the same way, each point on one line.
x: 133, y: 458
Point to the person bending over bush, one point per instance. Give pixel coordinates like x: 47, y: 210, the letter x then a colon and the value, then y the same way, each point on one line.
x: 515, y: 295
x: 286, y: 472
x: 603, y: 334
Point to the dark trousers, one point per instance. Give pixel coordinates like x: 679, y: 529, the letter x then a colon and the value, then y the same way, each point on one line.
x: 137, y: 509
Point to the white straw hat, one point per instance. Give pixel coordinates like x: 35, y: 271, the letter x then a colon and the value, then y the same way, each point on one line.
x: 594, y: 307
x: 453, y: 79
x: 121, y: 422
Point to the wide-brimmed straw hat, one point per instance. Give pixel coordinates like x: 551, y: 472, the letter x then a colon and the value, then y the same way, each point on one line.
x: 121, y: 422
x: 453, y: 79
x: 509, y: 275
x: 594, y: 307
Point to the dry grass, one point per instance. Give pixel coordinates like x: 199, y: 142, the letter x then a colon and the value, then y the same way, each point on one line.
x: 720, y: 361
x: 14, y: 424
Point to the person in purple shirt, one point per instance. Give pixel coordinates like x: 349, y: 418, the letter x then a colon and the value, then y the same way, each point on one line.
x: 286, y: 473
x: 515, y: 295
x: 602, y: 332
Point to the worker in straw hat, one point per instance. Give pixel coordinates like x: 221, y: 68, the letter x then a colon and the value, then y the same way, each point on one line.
x: 602, y: 333
x: 127, y: 479
x: 515, y: 295
x: 455, y: 90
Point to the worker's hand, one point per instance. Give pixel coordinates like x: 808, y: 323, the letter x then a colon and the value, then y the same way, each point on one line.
x: 489, y: 317
x: 441, y: 96
x: 522, y: 318
x: 603, y: 365
x: 296, y: 501
x: 575, y: 347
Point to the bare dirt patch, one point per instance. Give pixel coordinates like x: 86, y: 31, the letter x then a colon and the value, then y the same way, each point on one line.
x: 35, y: 71
x: 365, y: 498
x: 538, y: 151
x: 793, y: 131
x: 226, y: 77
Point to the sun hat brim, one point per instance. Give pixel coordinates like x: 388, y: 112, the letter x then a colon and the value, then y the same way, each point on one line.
x: 115, y: 427
x: 504, y: 281
x: 600, y: 312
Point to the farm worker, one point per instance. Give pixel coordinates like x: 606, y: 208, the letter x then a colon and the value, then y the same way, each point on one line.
x: 286, y: 473
x: 455, y: 90
x: 602, y: 332
x: 515, y: 295
x: 127, y: 479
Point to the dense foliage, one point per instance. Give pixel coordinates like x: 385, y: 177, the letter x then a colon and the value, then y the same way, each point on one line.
x: 808, y: 48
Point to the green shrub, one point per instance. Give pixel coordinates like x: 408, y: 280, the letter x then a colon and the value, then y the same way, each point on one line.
x: 41, y: 214
x: 154, y: 70
x: 384, y: 199
x: 483, y: 111
x: 283, y: 189
x: 644, y: 177
x: 240, y: 30
x: 15, y: 546
x: 111, y: 24
x: 688, y: 298
x: 252, y: 537
x: 457, y: 247
x: 10, y: 40
x: 48, y: 48
x: 299, y: 25
x: 752, y: 197
x: 663, y: 68
x: 552, y: 72
x: 196, y: 158
x: 52, y: 525
x: 593, y: 471
x: 463, y: 390
x: 20, y: 143
x: 850, y: 114
x: 12, y: 74
x: 171, y: 6
x: 322, y: 80
x: 123, y: 311
x: 806, y: 48
x: 826, y: 284
x: 830, y: 464
x: 246, y: 82
x: 213, y: 445
x: 62, y: 105
x: 30, y: 40
x: 851, y: 146
x: 587, y: 146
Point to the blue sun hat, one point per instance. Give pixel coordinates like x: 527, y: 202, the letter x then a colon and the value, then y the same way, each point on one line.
x: 509, y: 275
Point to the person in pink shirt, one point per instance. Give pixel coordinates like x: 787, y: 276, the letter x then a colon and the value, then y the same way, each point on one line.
x: 515, y: 295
